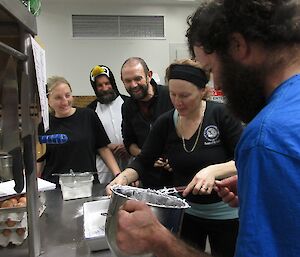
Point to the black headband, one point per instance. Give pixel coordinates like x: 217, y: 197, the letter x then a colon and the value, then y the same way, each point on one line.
x: 188, y: 73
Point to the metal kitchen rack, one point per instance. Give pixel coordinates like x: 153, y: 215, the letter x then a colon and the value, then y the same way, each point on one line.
x: 17, y: 25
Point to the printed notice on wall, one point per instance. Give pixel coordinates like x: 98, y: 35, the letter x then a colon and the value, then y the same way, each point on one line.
x: 40, y: 69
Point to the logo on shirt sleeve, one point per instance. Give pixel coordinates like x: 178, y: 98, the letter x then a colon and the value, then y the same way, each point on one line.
x: 212, y: 135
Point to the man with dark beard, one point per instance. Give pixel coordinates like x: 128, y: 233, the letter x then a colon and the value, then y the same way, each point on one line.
x: 146, y: 103
x: 253, y: 50
x: 108, y: 107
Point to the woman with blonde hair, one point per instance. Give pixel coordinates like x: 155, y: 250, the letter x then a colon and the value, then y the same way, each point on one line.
x: 85, y: 133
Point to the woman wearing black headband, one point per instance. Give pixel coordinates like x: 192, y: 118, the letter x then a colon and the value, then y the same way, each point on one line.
x: 198, y: 137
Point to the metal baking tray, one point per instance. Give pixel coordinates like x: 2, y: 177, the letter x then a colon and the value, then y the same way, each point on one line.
x: 94, y: 217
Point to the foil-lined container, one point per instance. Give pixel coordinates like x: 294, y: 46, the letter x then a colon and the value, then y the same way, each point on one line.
x: 168, y: 209
x: 94, y: 218
x: 76, y: 185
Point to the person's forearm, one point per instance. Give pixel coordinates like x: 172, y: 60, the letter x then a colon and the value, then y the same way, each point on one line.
x: 109, y: 159
x: 134, y: 150
x: 130, y: 175
x: 223, y: 170
x: 167, y: 245
x: 112, y: 146
x: 126, y: 177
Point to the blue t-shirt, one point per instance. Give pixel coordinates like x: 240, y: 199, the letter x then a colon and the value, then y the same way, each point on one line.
x: 268, y: 163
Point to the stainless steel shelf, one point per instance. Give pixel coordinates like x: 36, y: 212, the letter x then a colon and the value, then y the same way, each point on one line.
x: 17, y: 24
x: 15, y: 11
x: 15, y: 53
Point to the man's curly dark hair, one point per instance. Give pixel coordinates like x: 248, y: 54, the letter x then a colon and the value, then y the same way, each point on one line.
x: 208, y: 27
x: 270, y: 22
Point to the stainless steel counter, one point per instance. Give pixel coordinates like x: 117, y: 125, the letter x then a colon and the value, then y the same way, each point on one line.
x: 61, y: 228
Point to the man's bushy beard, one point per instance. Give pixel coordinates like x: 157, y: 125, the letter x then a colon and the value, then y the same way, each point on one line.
x: 106, y: 97
x: 243, y: 87
x: 142, y: 94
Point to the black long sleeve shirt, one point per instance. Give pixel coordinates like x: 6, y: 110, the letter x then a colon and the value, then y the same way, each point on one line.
x: 219, y: 135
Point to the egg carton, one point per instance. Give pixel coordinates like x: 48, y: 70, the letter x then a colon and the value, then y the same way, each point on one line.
x: 14, y: 213
x: 17, y: 213
x: 12, y: 224
x: 15, y: 236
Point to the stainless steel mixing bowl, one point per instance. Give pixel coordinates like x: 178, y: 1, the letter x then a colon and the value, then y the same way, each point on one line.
x: 168, y: 209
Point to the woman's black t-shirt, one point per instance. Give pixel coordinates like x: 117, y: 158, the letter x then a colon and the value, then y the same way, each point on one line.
x: 219, y: 135
x: 85, y: 134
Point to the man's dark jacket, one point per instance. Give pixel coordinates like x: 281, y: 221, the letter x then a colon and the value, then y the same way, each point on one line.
x: 135, y: 126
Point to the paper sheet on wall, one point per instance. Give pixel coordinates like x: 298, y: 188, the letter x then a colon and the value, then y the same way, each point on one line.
x: 40, y: 69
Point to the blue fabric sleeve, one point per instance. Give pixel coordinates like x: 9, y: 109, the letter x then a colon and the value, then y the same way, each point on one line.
x: 267, y: 179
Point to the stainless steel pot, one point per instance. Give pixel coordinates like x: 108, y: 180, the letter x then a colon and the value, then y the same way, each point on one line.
x: 168, y: 209
x: 5, y: 167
